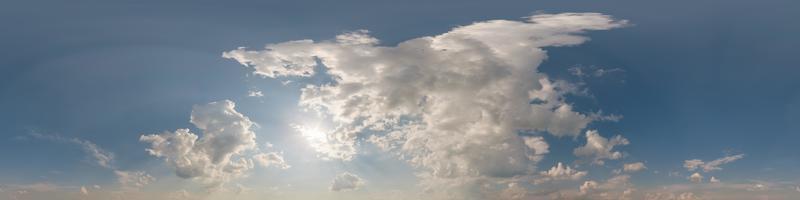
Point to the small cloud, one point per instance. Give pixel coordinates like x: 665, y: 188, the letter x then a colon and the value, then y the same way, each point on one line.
x: 713, y: 180
x: 255, y: 93
x: 593, y: 71
x: 133, y: 180
x: 102, y: 157
x: 84, y: 191
x: 271, y: 159
x: 696, y: 178
x: 346, y: 182
x: 634, y: 167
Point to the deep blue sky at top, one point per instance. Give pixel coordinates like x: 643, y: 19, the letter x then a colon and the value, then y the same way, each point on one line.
x: 701, y: 77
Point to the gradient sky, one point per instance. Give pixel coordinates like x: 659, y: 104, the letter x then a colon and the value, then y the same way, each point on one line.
x: 693, y: 88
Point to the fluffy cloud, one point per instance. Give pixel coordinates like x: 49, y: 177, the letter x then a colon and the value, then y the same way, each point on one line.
x: 696, y: 178
x: 271, y: 159
x: 561, y: 172
x: 713, y: 165
x: 598, y: 148
x: 217, y: 155
x: 346, y: 182
x: 588, y: 186
x: 453, y: 105
x: 633, y: 167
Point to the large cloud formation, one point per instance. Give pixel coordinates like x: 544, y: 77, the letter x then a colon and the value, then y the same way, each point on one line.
x: 453, y: 105
x: 218, y: 155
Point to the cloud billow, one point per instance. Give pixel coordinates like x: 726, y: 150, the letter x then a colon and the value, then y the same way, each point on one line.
x: 452, y: 105
x: 218, y: 155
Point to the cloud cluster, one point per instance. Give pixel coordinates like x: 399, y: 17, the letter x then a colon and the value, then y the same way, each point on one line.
x: 713, y: 165
x: 218, y: 155
x: 346, y: 182
x: 598, y: 148
x: 616, y: 187
x: 453, y: 105
x: 132, y: 180
x: 561, y: 172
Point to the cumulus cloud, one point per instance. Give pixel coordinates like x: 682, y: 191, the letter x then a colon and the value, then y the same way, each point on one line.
x: 588, y: 186
x: 713, y: 180
x: 346, y: 182
x: 616, y: 187
x: 696, y: 178
x: 215, y: 157
x: 271, y: 159
x: 713, y: 165
x: 598, y: 148
x: 561, y: 172
x: 453, y: 105
x: 633, y: 167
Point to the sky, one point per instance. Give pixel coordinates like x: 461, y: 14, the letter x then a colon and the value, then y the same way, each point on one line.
x: 534, y: 99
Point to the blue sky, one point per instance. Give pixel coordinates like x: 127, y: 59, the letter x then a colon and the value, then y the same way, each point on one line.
x: 679, y: 80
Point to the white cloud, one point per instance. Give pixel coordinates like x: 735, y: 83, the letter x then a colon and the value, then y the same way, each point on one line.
x: 346, y: 182
x: 128, y: 180
x: 271, y: 159
x: 212, y: 157
x: 713, y: 165
x: 561, y: 172
x: 102, y: 157
x: 696, y: 178
x: 84, y: 191
x: 452, y: 105
x: 598, y: 148
x: 633, y: 167
x: 616, y: 187
x: 593, y: 71
x: 133, y: 180
x: 713, y: 180
x: 539, y: 147
x: 255, y: 93
x: 588, y: 186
